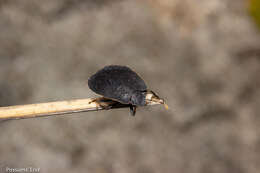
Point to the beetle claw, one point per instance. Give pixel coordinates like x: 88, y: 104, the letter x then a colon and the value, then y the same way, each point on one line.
x: 132, y: 110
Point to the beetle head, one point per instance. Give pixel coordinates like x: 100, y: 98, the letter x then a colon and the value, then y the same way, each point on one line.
x: 138, y: 98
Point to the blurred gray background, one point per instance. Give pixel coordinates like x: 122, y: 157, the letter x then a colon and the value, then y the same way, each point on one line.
x: 203, y: 57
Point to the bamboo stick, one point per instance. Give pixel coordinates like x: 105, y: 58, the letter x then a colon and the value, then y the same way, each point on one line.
x: 65, y: 107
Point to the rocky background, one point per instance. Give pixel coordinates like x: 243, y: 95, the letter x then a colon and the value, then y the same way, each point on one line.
x: 202, y: 57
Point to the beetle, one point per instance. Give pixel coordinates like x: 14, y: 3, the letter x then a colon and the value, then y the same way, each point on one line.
x: 121, y: 84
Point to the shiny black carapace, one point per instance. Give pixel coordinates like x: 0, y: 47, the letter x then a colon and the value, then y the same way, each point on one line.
x: 121, y: 84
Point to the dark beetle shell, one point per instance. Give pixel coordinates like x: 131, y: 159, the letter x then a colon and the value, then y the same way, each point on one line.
x: 119, y: 83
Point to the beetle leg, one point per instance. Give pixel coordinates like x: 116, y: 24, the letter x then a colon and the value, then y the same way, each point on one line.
x: 101, y: 102
x: 132, y: 110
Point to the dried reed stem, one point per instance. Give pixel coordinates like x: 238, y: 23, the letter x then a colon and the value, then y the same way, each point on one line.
x: 62, y: 107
